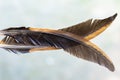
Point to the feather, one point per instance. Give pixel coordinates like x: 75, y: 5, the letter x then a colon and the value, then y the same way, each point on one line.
x: 90, y: 28
x: 59, y: 39
x: 91, y: 53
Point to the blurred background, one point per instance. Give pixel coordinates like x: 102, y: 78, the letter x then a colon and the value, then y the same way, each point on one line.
x: 59, y: 65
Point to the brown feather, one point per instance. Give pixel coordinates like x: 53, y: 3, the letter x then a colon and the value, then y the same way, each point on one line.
x: 91, y: 53
x: 90, y: 29
x: 52, y: 38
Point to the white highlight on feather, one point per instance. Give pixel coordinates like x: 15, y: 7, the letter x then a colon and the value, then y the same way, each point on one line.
x: 19, y: 46
x: 7, y: 32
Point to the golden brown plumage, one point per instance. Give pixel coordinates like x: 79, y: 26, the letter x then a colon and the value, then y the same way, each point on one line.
x: 74, y: 39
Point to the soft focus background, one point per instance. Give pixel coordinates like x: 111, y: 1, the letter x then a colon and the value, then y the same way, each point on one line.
x: 59, y: 65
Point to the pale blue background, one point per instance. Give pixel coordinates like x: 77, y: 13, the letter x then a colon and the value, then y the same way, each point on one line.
x: 59, y: 65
